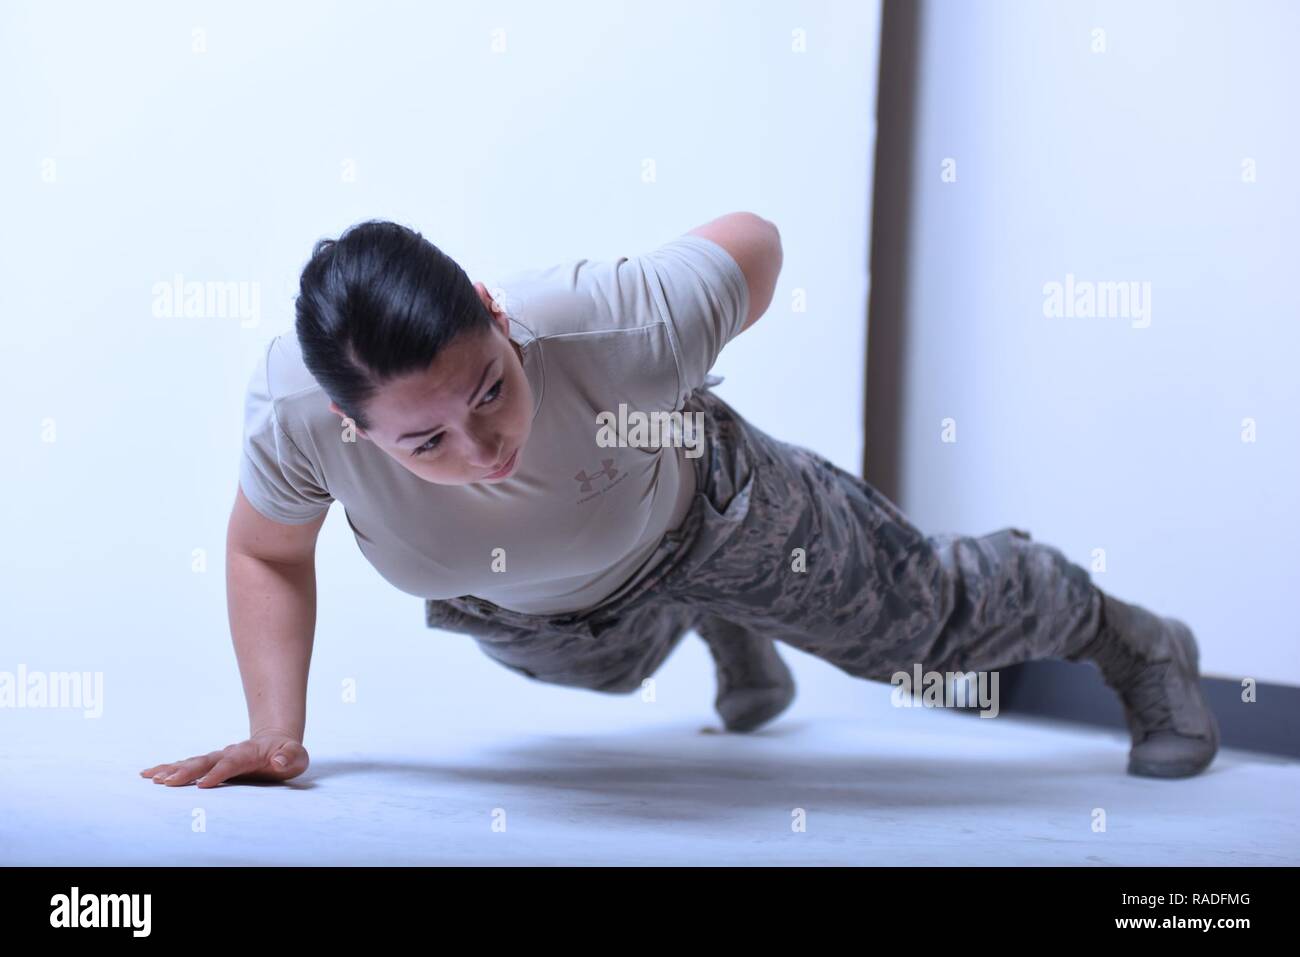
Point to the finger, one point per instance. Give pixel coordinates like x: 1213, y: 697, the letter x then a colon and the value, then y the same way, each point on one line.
x: 229, y: 766
x: 170, y: 766
x: 288, y: 759
x: 168, y: 771
x: 167, y: 767
x: 159, y: 771
x: 186, y: 771
x: 281, y: 754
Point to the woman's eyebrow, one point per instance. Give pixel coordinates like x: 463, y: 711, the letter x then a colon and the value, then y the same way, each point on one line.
x: 482, y: 376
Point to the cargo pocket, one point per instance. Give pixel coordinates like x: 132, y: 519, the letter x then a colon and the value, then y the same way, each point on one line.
x: 719, y: 524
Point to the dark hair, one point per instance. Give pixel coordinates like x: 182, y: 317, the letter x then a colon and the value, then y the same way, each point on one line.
x: 378, y: 302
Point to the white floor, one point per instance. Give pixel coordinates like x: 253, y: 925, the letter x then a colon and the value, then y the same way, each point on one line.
x: 596, y: 779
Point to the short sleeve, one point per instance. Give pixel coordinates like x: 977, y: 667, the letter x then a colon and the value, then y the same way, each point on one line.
x: 695, y: 286
x: 691, y: 286
x: 275, y: 476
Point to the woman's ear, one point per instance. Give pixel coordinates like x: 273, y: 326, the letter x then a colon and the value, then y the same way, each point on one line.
x: 493, y: 307
x: 342, y: 415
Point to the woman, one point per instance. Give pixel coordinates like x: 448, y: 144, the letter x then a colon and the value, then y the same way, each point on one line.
x: 491, y: 459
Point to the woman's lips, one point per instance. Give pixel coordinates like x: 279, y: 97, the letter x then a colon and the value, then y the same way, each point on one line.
x: 505, y: 469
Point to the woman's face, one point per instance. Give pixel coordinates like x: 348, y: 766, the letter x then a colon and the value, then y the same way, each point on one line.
x: 462, y: 418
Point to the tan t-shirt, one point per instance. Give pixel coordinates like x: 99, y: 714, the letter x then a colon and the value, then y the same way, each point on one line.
x: 576, y: 521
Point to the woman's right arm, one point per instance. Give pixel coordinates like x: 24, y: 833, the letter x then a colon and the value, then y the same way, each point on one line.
x: 271, y: 599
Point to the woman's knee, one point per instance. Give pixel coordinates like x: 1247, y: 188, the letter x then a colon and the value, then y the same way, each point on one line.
x: 1010, y: 595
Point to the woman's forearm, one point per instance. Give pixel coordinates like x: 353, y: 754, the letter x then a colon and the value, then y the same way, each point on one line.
x: 272, y: 607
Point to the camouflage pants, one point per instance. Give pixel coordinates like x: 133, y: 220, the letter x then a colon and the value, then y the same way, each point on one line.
x: 785, y: 545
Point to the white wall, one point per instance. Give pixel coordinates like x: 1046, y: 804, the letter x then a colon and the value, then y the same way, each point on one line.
x: 228, y: 164
x: 1111, y: 433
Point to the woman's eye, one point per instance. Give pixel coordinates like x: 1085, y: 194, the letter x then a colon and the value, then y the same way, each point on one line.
x: 429, y: 446
x: 490, y: 396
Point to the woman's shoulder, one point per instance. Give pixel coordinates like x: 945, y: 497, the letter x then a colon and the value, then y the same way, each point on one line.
x: 287, y: 374
x: 583, y: 295
x: 281, y: 391
x: 280, y: 470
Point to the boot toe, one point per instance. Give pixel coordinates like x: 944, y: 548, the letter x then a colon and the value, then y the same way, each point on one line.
x: 1168, y: 754
x: 746, y: 709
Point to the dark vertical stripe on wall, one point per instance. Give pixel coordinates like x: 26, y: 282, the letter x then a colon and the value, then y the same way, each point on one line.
x: 1051, y: 688
x: 890, y: 228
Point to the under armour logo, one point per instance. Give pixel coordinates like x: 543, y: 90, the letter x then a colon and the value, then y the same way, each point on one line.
x: 607, y: 469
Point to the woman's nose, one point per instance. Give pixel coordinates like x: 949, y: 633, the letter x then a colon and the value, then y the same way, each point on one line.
x: 487, y: 455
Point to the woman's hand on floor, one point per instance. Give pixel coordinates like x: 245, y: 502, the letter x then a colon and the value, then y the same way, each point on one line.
x: 263, y: 757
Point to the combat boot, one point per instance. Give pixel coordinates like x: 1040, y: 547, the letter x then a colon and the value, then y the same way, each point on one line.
x: 754, y: 684
x: 1151, y: 662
